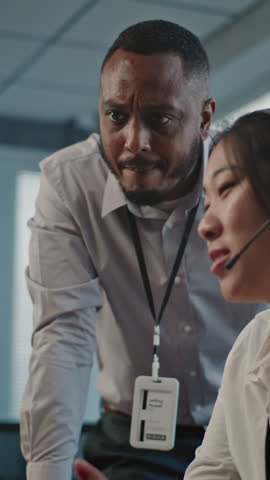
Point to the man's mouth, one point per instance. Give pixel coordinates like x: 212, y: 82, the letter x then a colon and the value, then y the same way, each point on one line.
x: 140, y: 165
x: 139, y: 169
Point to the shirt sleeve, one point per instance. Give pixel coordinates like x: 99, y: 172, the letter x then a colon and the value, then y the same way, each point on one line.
x: 65, y: 293
x: 213, y: 458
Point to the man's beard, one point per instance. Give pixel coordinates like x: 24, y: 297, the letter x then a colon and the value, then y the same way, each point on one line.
x: 153, y: 197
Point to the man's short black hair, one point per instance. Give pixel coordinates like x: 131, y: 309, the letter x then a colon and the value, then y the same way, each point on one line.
x: 159, y: 36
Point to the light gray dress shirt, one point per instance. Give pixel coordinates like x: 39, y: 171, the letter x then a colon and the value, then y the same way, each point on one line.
x: 87, y: 293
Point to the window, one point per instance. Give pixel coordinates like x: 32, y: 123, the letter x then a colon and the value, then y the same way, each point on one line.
x: 27, y: 184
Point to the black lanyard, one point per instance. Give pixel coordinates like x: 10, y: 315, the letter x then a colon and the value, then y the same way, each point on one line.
x: 178, y: 258
x: 267, y: 452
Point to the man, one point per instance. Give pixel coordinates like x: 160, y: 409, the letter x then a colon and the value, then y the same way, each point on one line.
x: 110, y: 216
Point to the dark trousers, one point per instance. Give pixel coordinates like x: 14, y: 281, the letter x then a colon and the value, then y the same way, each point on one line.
x: 107, y: 447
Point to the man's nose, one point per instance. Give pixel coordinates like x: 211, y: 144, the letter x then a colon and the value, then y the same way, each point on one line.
x: 137, y: 137
x: 209, y: 227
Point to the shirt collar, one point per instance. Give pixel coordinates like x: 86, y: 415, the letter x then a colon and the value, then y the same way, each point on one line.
x: 113, y: 197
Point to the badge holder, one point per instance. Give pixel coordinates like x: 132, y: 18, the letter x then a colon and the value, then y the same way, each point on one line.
x: 155, y: 399
x: 154, y: 410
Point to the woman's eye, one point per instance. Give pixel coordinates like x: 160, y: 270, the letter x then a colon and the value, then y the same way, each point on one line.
x: 226, y: 186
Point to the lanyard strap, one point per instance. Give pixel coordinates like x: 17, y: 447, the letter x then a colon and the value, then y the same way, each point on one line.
x: 142, y: 264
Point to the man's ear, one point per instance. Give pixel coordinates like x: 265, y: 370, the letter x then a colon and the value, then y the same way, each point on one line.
x: 208, y: 110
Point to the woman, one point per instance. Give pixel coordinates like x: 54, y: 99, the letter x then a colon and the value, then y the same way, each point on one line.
x: 237, y: 205
x: 236, y: 220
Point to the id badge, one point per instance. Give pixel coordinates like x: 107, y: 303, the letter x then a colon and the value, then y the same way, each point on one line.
x: 154, y: 413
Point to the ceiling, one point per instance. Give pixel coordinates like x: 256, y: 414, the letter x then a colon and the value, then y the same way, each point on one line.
x: 52, y: 50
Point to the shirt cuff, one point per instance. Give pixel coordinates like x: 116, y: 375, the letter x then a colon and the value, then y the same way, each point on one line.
x: 49, y: 471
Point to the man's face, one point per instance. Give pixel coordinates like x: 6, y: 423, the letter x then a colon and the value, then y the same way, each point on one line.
x: 152, y: 121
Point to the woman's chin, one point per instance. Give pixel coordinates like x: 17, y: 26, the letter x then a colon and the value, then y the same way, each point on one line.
x: 233, y: 292
x: 240, y: 292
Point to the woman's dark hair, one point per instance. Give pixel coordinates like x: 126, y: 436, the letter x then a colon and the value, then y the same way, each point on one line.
x: 160, y: 36
x: 247, y: 144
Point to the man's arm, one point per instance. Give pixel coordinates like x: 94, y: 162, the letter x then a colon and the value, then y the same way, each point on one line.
x: 65, y: 294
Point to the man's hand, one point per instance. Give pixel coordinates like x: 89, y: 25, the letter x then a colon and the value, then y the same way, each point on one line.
x: 86, y: 471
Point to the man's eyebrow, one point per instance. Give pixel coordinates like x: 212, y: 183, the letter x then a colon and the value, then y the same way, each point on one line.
x: 112, y: 104
x: 151, y: 107
x: 162, y: 106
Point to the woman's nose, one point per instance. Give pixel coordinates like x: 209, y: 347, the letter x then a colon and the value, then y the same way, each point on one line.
x: 209, y: 227
x: 137, y: 137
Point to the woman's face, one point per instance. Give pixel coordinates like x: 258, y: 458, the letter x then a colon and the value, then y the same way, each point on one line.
x: 232, y: 216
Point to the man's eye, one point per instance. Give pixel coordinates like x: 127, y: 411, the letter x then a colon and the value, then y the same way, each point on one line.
x: 116, y: 116
x: 163, y: 119
x: 159, y: 119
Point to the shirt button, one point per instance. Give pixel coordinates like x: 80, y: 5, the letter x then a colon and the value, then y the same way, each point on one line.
x: 187, y: 328
x: 177, y: 280
x: 193, y: 373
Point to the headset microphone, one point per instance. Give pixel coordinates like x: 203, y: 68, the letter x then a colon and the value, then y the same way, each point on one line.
x: 236, y: 257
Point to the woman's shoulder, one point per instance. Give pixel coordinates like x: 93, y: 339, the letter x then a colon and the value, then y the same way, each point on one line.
x: 255, y: 331
x: 252, y: 346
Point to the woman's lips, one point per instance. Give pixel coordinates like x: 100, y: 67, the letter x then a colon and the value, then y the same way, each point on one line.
x: 219, y: 257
